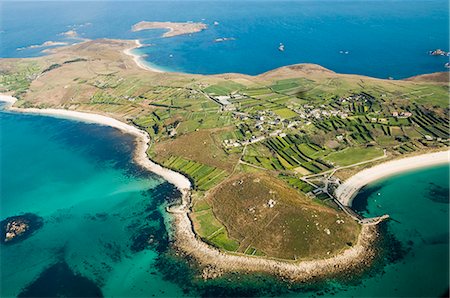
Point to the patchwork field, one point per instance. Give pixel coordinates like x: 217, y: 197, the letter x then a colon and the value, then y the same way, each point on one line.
x: 201, y: 146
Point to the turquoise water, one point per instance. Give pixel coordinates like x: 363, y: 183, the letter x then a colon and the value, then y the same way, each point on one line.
x: 418, y: 203
x: 80, y: 178
x: 382, y: 38
x: 96, y: 203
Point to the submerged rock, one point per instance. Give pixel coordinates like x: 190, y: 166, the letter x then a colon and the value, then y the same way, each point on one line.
x: 60, y: 281
x: 17, y: 228
x: 438, y: 194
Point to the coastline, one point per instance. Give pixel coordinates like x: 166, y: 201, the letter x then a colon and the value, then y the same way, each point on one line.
x: 214, y: 261
x: 138, y: 59
x: 346, y: 192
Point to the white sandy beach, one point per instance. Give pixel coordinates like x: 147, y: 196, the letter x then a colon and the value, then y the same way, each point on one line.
x: 138, y: 59
x: 347, y: 190
x: 8, y: 99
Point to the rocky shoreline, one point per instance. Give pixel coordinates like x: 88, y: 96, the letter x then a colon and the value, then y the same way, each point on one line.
x: 214, y: 263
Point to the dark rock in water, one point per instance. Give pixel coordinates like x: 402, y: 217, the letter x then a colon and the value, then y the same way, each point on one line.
x: 60, y: 281
x: 149, y: 238
x: 17, y: 228
x: 438, y: 194
x: 163, y: 193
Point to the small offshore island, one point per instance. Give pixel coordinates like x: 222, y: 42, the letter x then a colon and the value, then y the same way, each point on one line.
x: 17, y: 228
x: 175, y: 29
x: 258, y: 159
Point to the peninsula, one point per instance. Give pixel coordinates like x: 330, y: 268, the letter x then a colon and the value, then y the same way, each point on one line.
x: 265, y: 155
x: 174, y: 28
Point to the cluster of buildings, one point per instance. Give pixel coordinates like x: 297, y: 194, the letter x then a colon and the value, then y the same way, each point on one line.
x: 311, y: 112
x: 401, y: 114
x: 225, y: 101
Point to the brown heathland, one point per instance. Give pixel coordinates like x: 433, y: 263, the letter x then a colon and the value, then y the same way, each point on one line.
x: 263, y: 213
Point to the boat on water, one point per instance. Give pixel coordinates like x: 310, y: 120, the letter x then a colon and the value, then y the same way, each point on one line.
x: 281, y: 47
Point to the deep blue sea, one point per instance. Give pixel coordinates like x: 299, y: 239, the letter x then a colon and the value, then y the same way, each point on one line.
x: 381, y: 38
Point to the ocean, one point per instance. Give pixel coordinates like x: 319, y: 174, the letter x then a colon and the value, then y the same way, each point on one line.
x: 376, y: 38
x: 99, y: 209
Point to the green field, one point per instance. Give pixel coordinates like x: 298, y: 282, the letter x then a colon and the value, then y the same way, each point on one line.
x: 223, y: 88
x: 210, y: 229
x: 285, y: 113
x: 354, y: 155
x: 203, y: 176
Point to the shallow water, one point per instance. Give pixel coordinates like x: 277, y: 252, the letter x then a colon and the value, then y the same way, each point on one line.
x: 95, y: 203
x: 418, y: 203
x: 382, y: 38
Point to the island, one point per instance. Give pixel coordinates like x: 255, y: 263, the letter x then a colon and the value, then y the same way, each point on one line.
x: 174, y: 28
x: 17, y: 228
x: 46, y: 44
x: 439, y: 52
x: 260, y: 161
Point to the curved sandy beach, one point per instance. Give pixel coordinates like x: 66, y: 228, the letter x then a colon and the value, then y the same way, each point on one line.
x: 348, y: 190
x: 138, y: 59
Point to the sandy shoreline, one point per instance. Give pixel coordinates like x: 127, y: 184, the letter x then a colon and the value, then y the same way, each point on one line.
x: 348, y: 190
x: 138, y: 59
x: 8, y: 99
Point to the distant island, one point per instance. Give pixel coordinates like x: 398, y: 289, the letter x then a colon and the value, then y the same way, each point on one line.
x: 46, y: 44
x: 439, y: 52
x: 264, y: 163
x: 174, y: 28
